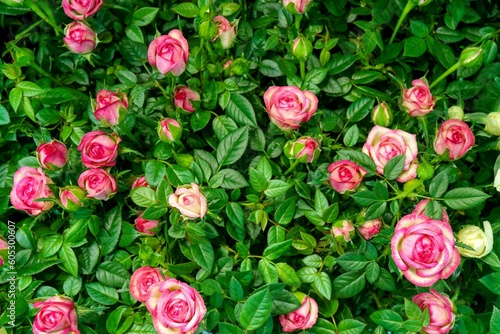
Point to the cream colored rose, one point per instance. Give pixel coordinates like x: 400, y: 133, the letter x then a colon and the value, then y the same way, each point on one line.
x: 473, y: 236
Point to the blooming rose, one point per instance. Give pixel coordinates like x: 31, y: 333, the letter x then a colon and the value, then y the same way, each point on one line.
x: 424, y: 249
x: 31, y: 184
x: 345, y: 175
x: 440, y: 310
x: 142, y: 279
x: 176, y: 307
x: 455, y: 136
x: 98, y: 183
x: 71, y: 197
x: 370, y: 228
x: 189, y: 201
x: 288, y: 106
x: 81, y: 9
x: 418, y: 100
x: 169, y: 53
x: 306, y: 149
x: 52, y: 155
x: 343, y: 230
x: 99, y: 149
x: 3, y: 246
x: 302, y: 318
x: 146, y: 226
x: 140, y: 182
x: 183, y: 97
x: 225, y: 31
x: 473, y: 236
x: 56, y: 315
x: 79, y: 38
x: 169, y: 130
x: 383, y: 144
x: 108, y: 106
x: 420, y: 210
x: 300, y: 5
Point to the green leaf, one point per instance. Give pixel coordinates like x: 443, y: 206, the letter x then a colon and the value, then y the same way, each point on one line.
x: 143, y: 196
x: 241, y: 110
x: 313, y: 260
x: 72, y: 286
x: 68, y: 258
x: 4, y: 116
x: 270, y: 68
x: 394, y: 167
x: 351, y: 136
x: 323, y: 326
x: 155, y: 171
x: 352, y: 261
x: 134, y: 33
x: 412, y: 310
x: 375, y: 210
x: 414, y: 47
x: 495, y: 321
x: 438, y: 185
x: 51, y: 245
x: 203, y: 254
x: 360, y: 158
x: 274, y: 251
x: 113, y: 226
x: 46, y: 116
x: 102, y: 294
x: 315, y: 76
x: 144, y: 16
x: 258, y: 180
x: 385, y: 281
x: 366, y: 76
x: 114, y: 318
x: 112, y: 274
x: 256, y: 310
x: 286, y: 211
x: 236, y: 224
x: 15, y: 98
x: 276, y: 188
x: 360, y: 109
x: 36, y: 267
x: 287, y: 275
x: 349, y: 284
x: 350, y: 326
x: 223, y: 125
x: 268, y: 271
x: 372, y: 272
x: 30, y: 89
x: 285, y: 303
x: 200, y: 119
x: 340, y: 63
x: 366, y: 198
x: 179, y: 176
x: 235, y: 290
x: 464, y: 198
x: 225, y: 328
x: 232, y: 146
x: 419, y: 28
x: 186, y: 9
x: 492, y: 282
x: 307, y: 274
x: 231, y: 179
x: 322, y: 284
x: 445, y: 54
x: 388, y: 319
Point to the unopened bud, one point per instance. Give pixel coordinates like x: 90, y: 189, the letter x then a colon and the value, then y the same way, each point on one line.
x: 456, y: 112
x: 425, y: 171
x: 472, y: 56
x: 382, y: 115
x: 302, y: 48
x: 305, y: 149
x: 493, y: 123
x: 169, y: 130
x: 474, y: 237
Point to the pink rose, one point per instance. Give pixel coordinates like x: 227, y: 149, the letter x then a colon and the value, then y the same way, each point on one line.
x: 343, y: 230
x: 383, y: 144
x: 3, y: 246
x: 288, y: 106
x: 183, y: 98
x: 169, y: 130
x: 189, y: 201
x: 99, y: 149
x: 71, y: 198
x: 440, y: 309
x: 79, y: 38
x: 300, y: 5
x: 424, y: 249
x: 370, y: 228
x: 169, y: 53
x: 146, y: 226
x: 176, y: 307
x: 108, y: 106
x: 225, y: 31
x: 455, y: 136
x: 31, y: 184
x: 142, y: 279
x: 418, y: 100
x: 420, y: 210
x: 345, y: 175
x: 98, y: 183
x: 306, y: 149
x: 140, y: 182
x: 81, y: 9
x: 56, y: 315
x: 302, y: 318
x: 52, y: 155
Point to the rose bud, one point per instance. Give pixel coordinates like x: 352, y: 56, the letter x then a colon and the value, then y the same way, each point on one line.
x: 302, y: 318
x: 190, y: 202
x: 225, y: 31
x: 71, y: 198
x: 304, y: 149
x: 79, y: 38
x: 55, y: 315
x: 297, y: 7
x: 422, y: 3
x: 424, y: 249
x: 425, y: 171
x: 420, y: 210
x: 418, y: 100
x: 383, y: 144
x: 142, y: 279
x: 98, y: 183
x: 345, y: 175
x: 302, y: 48
x: 382, y: 115
x: 146, y: 226
x: 455, y: 137
x: 99, y: 149
x: 31, y: 184
x: 140, y: 182
x: 472, y: 56
x: 3, y: 247
x: 169, y: 130
x: 184, y: 98
x: 493, y: 123
x: 169, y: 53
x: 455, y: 112
x: 370, y: 228
x: 109, y: 104
x: 481, y: 241
x: 440, y: 309
x: 175, y: 306
x: 343, y: 230
x: 289, y: 107
x: 81, y: 9
x: 52, y: 155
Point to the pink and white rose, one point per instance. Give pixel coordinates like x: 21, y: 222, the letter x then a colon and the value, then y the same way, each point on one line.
x: 418, y: 100
x: 345, y: 175
x: 383, y: 144
x: 190, y: 201
x: 142, y: 279
x: 99, y: 149
x: 300, y: 5
x: 146, y: 226
x: 81, y: 9
x: 79, y: 38
x: 343, y: 230
x: 454, y: 136
x: 108, y: 104
x: 289, y: 107
x: 306, y: 149
x: 56, y: 315
x: 184, y: 97
x: 31, y: 184
x: 225, y: 31
x: 302, y: 318
x: 169, y: 53
x: 52, y: 155
x: 440, y: 310
x: 140, y: 182
x: 98, y: 183
x: 370, y: 228
x: 71, y: 198
x: 169, y: 130
x: 424, y: 249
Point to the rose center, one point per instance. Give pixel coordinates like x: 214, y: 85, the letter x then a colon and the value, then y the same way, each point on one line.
x: 455, y: 136
x: 96, y: 150
x: 187, y: 199
x: 288, y: 103
x: 425, y: 249
x: 77, y: 35
x: 96, y: 181
x: 178, y: 310
x: 50, y: 319
x: 84, y: 3
x: 345, y: 174
x: 389, y: 151
x: 297, y: 319
x: 27, y: 187
x: 105, y: 99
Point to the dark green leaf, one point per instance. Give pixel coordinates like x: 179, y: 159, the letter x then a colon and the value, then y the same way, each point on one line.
x: 360, y: 109
x: 256, y: 310
x: 349, y: 284
x: 144, y: 16
x: 232, y: 146
x: 394, y: 167
x: 464, y: 198
x: 388, y: 319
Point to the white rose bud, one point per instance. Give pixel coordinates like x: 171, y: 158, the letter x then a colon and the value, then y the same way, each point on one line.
x: 473, y: 236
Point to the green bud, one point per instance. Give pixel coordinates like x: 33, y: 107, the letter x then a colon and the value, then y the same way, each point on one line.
x: 425, y: 171
x: 305, y: 149
x: 382, y: 115
x: 493, y: 123
x: 455, y: 112
x: 302, y: 48
x: 472, y: 56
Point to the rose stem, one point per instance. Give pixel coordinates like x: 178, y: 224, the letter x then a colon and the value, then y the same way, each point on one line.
x: 409, y: 6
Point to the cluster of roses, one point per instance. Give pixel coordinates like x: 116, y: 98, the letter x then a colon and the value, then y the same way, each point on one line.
x: 79, y: 37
